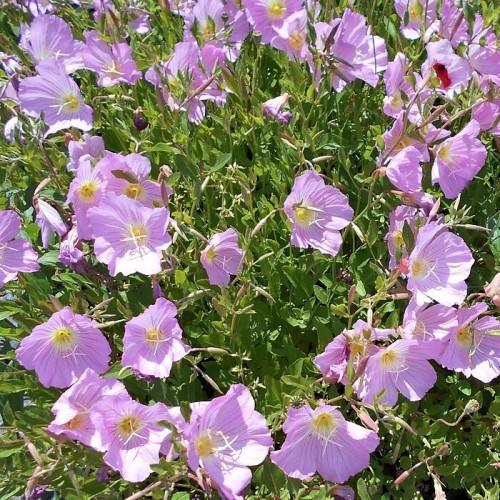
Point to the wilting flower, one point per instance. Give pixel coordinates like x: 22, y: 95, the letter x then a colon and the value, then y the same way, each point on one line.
x: 129, y: 237
x: 439, y: 264
x: 92, y: 146
x: 86, y: 191
x: 322, y: 441
x: 428, y: 323
x: 351, y: 346
x: 266, y: 15
x: 48, y: 219
x: 15, y: 255
x: 492, y: 290
x: 473, y: 347
x: 416, y: 16
x: 50, y: 37
x: 113, y: 63
x: 318, y: 213
x: 226, y: 436
x: 57, y: 96
x: 458, y: 160
x: 291, y: 36
x: 70, y: 252
x: 401, y: 367
x: 272, y: 107
x: 153, y: 340
x: 222, y: 257
x: 131, y: 435
x: 63, y: 347
x: 453, y: 71
x: 72, y: 410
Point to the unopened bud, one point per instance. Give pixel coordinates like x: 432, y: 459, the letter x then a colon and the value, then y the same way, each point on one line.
x: 401, y: 478
x: 472, y: 407
x: 443, y: 450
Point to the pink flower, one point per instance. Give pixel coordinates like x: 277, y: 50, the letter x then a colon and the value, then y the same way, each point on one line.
x: 492, y: 290
x: 416, y: 16
x: 93, y: 146
x: 351, y: 346
x: 86, y: 191
x: 152, y: 340
x: 113, y: 63
x: 63, y: 347
x: 222, y: 257
x: 70, y: 253
x: 322, y: 441
x: 226, y: 436
x: 483, y: 52
x: 131, y: 434
x: 129, y: 237
x: 458, y: 160
x: 272, y: 107
x: 404, y: 170
x: 472, y: 347
x: 453, y: 25
x: 401, y: 367
x: 438, y: 266
x: 318, y: 213
x: 266, y: 15
x: 73, y: 409
x: 486, y: 114
x: 15, y: 255
x: 57, y: 96
x: 291, y: 36
x: 48, y: 219
x: 51, y: 37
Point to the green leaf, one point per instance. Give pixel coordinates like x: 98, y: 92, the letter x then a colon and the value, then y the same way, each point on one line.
x: 362, y: 490
x: 221, y: 162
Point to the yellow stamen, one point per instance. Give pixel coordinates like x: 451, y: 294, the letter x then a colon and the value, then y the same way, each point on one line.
x: 211, y: 254
x: 398, y: 239
x: 204, y: 445
x: 465, y: 336
x: 276, y: 9
x: 303, y: 216
x: 296, y: 41
x: 135, y: 191
x: 128, y: 426
x: 64, y: 338
x: 324, y: 424
x: 71, y: 103
x: 391, y: 360
x: 420, y: 269
x: 154, y: 335
x: 87, y: 190
x: 139, y: 234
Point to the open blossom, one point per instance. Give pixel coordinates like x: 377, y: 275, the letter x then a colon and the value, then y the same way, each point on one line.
x: 73, y: 409
x: 473, y: 347
x: 113, y: 63
x: 453, y: 71
x: 402, y: 367
x: 153, y: 340
x: 16, y: 255
x: 416, y: 16
x: 48, y: 219
x: 483, y: 52
x: 92, y: 146
x: 354, y: 52
x: 291, y: 36
x: 351, y: 346
x: 222, y: 257
x: 57, y: 96
x: 225, y: 437
x: 50, y: 37
x: 439, y: 264
x: 128, y: 175
x: 129, y: 237
x: 86, y: 191
x: 63, y: 347
x: 318, y: 212
x: 487, y: 115
x: 273, y: 107
x: 322, y: 441
x: 267, y: 15
x: 131, y: 435
x: 458, y: 160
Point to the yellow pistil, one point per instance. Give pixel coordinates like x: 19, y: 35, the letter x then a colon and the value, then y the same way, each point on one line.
x: 276, y: 9
x: 420, y: 269
x: 397, y: 239
x: 87, y: 190
x: 128, y: 426
x: 204, y: 445
x: 64, y: 338
x: 324, y: 425
x: 135, y: 191
x: 71, y: 103
x: 390, y: 360
x: 138, y: 234
x: 154, y: 335
x: 465, y: 336
x: 303, y: 216
x: 211, y: 254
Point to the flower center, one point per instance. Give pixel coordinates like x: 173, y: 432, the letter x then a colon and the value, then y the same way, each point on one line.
x: 211, y: 254
x: 208, y: 31
x: 154, y: 335
x: 398, y: 239
x: 415, y: 11
x: 447, y: 156
x: 135, y: 191
x: 323, y: 425
x: 128, y: 426
x: 420, y: 269
x: 442, y: 74
x: 419, y: 330
x: 356, y: 347
x: 276, y: 9
x: 391, y: 360
x: 465, y: 336
x: 296, y: 40
x: 204, y: 445
x: 87, y: 190
x: 113, y: 71
x: 303, y: 216
x: 64, y: 338
x: 138, y: 234
x: 77, y: 422
x: 71, y: 103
